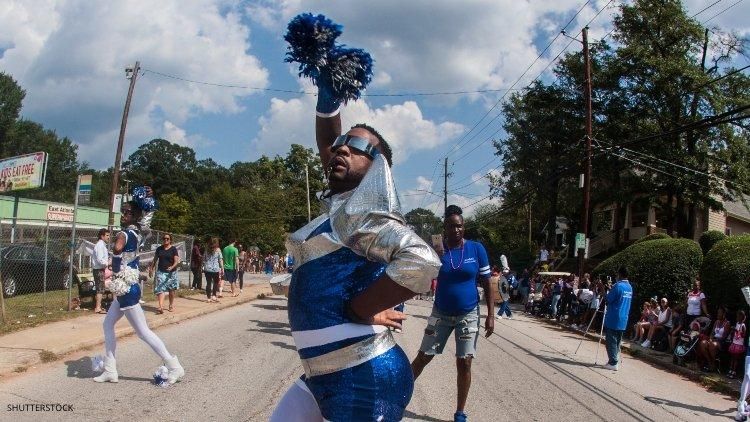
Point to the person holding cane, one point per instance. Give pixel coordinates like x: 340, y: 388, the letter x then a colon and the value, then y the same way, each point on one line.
x: 616, y: 317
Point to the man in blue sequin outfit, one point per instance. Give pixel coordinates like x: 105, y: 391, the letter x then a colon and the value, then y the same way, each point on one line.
x: 353, y: 264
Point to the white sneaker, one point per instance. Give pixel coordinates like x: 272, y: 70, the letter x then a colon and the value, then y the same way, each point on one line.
x: 574, y: 326
x: 646, y: 344
x: 397, y: 330
x: 498, y: 317
x: 510, y: 317
x: 611, y: 367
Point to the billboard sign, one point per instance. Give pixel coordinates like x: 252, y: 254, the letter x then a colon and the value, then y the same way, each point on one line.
x: 23, y: 172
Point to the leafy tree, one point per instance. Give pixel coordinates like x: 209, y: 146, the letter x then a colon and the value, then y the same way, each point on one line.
x: 174, y: 214
x: 164, y: 165
x: 665, y: 73
x: 11, y: 97
x: 424, y: 223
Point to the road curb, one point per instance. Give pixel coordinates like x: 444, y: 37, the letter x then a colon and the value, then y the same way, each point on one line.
x: 57, y: 353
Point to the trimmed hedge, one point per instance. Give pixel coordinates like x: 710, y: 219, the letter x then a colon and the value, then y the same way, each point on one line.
x: 653, y: 236
x: 660, y: 267
x: 725, y: 270
x: 709, y: 239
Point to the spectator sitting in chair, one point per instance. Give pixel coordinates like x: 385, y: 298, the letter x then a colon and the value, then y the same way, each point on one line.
x: 641, y: 327
x: 677, y: 325
x: 663, y: 322
x: 709, y: 348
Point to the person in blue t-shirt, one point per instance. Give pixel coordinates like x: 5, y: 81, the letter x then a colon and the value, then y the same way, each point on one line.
x: 616, y: 317
x: 457, y: 304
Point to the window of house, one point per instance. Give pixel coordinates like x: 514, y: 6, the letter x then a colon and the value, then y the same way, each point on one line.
x: 602, y: 221
x: 639, y: 213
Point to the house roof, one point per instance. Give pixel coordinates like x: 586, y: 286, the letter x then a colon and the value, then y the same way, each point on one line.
x: 737, y: 209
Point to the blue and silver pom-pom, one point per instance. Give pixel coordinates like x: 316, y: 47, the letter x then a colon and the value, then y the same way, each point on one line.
x: 310, y: 38
x: 312, y: 44
x: 145, y: 202
x: 350, y: 70
x: 161, y: 377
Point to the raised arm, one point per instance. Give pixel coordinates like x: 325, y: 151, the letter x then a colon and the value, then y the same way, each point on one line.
x: 326, y: 131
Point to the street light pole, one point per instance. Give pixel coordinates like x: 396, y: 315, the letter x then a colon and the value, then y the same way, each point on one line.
x: 133, y: 74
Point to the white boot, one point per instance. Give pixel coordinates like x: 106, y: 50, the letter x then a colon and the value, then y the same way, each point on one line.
x: 175, y: 369
x: 110, y: 371
x: 741, y: 414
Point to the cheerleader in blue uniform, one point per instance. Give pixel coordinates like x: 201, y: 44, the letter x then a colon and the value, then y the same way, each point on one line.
x: 355, y: 262
x: 135, y: 217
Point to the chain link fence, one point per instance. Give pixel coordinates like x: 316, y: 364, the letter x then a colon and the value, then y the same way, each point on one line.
x: 35, y: 270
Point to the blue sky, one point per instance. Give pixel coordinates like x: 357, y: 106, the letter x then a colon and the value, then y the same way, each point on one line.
x: 70, y: 57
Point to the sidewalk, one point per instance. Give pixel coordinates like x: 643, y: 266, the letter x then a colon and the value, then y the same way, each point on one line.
x: 48, y: 342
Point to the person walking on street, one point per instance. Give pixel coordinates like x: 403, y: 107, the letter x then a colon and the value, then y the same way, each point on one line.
x: 135, y: 218
x: 231, y: 264
x: 504, y: 291
x: 241, y: 264
x: 166, y: 272
x: 616, y: 317
x: 214, y: 269
x: 457, y: 305
x: 100, y: 260
x: 196, y: 265
x: 353, y: 263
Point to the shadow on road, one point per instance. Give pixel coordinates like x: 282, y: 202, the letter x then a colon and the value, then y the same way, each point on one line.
x: 284, y: 345
x: 80, y: 368
x: 412, y: 415
x: 270, y: 307
x: 269, y: 327
x: 697, y: 409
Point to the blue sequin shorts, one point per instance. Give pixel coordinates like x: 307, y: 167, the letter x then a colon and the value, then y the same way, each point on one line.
x: 379, y: 389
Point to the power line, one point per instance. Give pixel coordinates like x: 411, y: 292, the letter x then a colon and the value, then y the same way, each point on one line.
x: 538, y: 76
x: 723, y: 11
x: 499, y: 101
x: 291, y: 91
x: 707, y: 7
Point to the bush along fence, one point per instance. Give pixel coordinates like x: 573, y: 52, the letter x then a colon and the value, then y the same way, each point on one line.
x: 35, y: 266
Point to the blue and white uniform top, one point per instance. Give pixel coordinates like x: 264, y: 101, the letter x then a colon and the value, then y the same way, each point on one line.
x: 360, y: 237
x: 130, y: 258
x: 456, y: 292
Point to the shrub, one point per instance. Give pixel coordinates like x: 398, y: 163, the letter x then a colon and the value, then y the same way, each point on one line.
x: 661, y: 267
x: 709, y: 239
x: 653, y: 236
x: 725, y: 270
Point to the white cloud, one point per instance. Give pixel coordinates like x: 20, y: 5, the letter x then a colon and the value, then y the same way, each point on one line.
x: 70, y: 57
x: 402, y: 125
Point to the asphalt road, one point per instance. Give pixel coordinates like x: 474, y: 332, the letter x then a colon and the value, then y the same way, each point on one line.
x: 239, y: 361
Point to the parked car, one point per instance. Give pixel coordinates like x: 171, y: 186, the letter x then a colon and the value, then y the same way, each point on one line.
x: 22, y: 269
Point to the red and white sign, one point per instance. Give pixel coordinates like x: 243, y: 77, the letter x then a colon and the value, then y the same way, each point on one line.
x: 57, y: 212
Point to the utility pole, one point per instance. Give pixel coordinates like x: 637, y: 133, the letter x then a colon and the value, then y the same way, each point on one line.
x: 587, y: 160
x: 445, y: 185
x: 133, y: 75
x: 307, y: 185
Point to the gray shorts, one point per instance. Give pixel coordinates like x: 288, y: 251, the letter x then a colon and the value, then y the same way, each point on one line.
x: 439, y: 328
x: 99, y: 280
